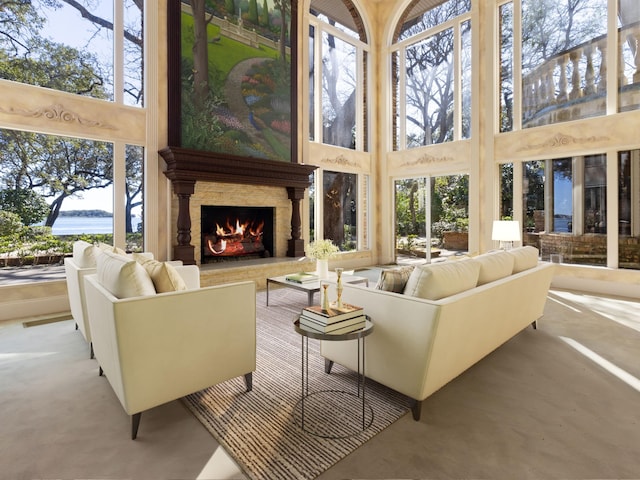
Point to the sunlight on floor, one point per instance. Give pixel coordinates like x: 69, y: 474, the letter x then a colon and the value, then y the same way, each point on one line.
x: 221, y: 467
x: 565, y: 305
x: 623, y: 375
x: 17, y: 357
x: 624, y: 312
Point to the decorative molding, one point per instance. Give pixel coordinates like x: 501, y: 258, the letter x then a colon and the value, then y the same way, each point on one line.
x: 57, y: 113
x: 340, y: 160
x: 425, y: 160
x: 561, y: 140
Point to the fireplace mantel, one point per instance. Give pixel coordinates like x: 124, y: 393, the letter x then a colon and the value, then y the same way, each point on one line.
x: 185, y: 167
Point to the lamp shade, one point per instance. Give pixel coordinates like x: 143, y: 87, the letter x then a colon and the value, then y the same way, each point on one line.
x: 506, y: 230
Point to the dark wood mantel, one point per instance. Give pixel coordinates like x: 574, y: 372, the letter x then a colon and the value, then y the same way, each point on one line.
x: 185, y: 167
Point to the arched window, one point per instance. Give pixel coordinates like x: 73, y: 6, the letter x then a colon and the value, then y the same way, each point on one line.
x: 337, y: 75
x: 431, y: 73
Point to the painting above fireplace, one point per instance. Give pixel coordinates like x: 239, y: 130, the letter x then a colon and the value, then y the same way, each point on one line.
x: 236, y: 232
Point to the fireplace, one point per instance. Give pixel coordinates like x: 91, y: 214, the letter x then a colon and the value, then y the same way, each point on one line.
x: 236, y: 232
x: 186, y: 167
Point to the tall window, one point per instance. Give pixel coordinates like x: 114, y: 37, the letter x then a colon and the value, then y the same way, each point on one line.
x: 340, y: 207
x: 92, y: 49
x: 432, y: 75
x: 565, y: 56
x: 337, y: 78
x: 566, y: 209
x: 629, y: 41
x: 562, y: 195
x: 629, y: 209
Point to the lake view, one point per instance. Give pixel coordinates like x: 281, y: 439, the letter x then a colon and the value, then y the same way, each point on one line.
x: 78, y: 225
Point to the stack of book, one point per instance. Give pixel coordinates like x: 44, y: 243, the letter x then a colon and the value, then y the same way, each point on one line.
x: 302, y: 277
x: 346, y: 319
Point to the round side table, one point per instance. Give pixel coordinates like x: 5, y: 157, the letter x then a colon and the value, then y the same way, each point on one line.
x: 342, y: 397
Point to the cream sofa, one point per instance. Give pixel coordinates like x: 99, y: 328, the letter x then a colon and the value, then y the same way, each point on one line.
x: 420, y: 344
x: 157, y: 347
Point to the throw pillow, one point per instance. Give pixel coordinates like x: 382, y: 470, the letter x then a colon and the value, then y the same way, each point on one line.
x: 494, y: 266
x: 439, y: 280
x: 394, y: 279
x: 164, y: 276
x: 84, y: 254
x: 123, y: 276
x: 524, y: 258
x: 105, y: 247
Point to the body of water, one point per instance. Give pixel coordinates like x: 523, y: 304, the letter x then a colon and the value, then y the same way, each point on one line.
x: 79, y: 225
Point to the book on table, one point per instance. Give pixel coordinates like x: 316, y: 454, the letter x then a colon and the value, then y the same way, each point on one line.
x: 343, y: 326
x: 333, y: 313
x: 302, y: 277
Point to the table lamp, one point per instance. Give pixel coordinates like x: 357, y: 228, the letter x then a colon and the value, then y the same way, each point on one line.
x: 506, y: 232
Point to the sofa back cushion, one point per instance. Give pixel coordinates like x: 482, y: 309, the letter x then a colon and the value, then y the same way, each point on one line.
x: 494, y: 265
x: 84, y: 254
x: 524, y: 258
x: 123, y: 276
x: 394, y: 279
x: 439, y: 280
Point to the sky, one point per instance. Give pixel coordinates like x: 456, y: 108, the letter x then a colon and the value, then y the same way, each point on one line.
x: 62, y: 27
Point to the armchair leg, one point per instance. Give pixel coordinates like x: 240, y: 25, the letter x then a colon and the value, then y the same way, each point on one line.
x: 248, y: 381
x: 135, y: 423
x: 92, y: 355
x: 328, y: 364
x: 416, y: 409
x: 534, y: 324
x: 76, y: 326
x: 100, y: 371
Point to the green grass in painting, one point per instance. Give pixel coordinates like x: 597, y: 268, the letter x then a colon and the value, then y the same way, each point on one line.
x: 225, y: 53
x: 280, y: 149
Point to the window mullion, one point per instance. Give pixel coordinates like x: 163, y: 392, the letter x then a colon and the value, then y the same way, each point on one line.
x: 517, y: 65
x: 401, y: 100
x: 118, y: 51
x: 457, y: 82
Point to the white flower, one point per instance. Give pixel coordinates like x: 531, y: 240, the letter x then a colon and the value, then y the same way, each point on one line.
x: 321, y: 249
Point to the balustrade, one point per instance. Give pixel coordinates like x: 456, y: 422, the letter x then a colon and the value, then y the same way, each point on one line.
x: 580, y: 73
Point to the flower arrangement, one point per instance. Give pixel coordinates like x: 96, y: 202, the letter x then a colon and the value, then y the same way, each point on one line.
x: 321, y: 249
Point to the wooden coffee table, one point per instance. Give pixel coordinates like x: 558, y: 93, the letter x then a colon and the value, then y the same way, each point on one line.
x: 313, y: 287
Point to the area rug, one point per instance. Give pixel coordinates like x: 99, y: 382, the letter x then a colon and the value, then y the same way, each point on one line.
x: 261, y: 429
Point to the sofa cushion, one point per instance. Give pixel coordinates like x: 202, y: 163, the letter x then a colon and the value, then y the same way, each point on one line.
x: 84, y: 254
x: 439, y: 280
x: 524, y: 258
x: 164, y: 276
x: 105, y: 247
x: 494, y: 266
x: 123, y: 276
x: 394, y: 279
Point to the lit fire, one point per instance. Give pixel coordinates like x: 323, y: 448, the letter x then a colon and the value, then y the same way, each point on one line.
x: 240, y: 239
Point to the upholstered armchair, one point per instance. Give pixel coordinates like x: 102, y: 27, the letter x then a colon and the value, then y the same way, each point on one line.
x: 158, y: 347
x: 83, y: 262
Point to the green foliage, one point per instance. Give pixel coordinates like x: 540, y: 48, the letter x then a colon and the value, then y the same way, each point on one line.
x: 264, y: 15
x: 10, y: 224
x: 27, y: 204
x: 252, y: 15
x: 230, y: 7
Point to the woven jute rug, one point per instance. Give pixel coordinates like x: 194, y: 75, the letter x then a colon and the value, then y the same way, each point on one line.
x: 262, y: 430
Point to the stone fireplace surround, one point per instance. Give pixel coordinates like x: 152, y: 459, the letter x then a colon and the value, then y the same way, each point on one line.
x: 204, y: 178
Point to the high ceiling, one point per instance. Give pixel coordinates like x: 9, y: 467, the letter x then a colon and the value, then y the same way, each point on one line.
x: 337, y: 10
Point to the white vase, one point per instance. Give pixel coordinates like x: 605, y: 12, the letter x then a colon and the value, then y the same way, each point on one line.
x: 322, y: 268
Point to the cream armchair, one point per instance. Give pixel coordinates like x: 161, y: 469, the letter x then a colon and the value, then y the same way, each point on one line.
x: 157, y: 348
x: 83, y: 262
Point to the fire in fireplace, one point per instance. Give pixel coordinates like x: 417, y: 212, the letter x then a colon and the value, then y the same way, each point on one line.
x: 233, y: 233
